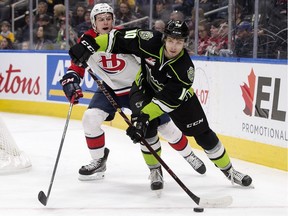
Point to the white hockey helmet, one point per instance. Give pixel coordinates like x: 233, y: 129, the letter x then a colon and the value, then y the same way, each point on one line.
x: 99, y: 9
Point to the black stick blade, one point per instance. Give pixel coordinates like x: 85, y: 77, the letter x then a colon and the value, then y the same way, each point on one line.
x: 42, y: 198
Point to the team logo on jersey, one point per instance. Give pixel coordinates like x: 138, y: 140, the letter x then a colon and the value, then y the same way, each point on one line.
x: 111, y: 63
x: 150, y: 61
x: 145, y: 35
x: 139, y: 104
x: 190, y: 74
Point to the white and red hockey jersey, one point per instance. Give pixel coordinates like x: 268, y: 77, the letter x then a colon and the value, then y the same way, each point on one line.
x: 118, y: 71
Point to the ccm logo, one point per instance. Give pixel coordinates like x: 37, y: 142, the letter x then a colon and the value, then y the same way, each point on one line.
x: 67, y: 81
x: 193, y: 124
x: 89, y: 47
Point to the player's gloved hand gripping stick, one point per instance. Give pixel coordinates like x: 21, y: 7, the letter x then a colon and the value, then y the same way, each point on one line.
x: 138, y: 128
x: 71, y: 86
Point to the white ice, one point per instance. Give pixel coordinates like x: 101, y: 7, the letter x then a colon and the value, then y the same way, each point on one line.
x: 125, y: 190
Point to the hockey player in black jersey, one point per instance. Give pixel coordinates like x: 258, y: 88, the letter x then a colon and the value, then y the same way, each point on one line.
x: 163, y: 85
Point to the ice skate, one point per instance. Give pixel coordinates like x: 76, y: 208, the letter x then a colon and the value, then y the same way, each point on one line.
x: 95, y: 170
x: 237, y: 177
x: 196, y: 163
x: 156, y: 179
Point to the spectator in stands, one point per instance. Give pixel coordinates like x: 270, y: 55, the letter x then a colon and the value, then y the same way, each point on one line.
x: 204, y: 35
x: 177, y: 15
x: 42, y: 9
x: 223, y: 30
x: 23, y: 33
x: 50, y: 30
x: 52, y: 3
x: 40, y: 41
x: 61, y: 36
x: 6, y: 43
x: 142, y: 8
x: 214, y: 40
x: 159, y: 25
x: 275, y: 31
x: 84, y: 26
x: 191, y: 23
x: 5, y: 9
x: 5, y: 31
x: 244, y: 40
x: 131, y: 3
x: 222, y: 47
x: 124, y: 14
x: 25, y: 45
x: 58, y: 14
x: 185, y: 6
x: 201, y: 16
x: 162, y: 11
x: 74, y: 3
x: 238, y: 15
x: 78, y: 15
x: 177, y: 5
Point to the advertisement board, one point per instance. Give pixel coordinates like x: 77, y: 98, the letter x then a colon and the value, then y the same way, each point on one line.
x: 23, y: 76
x: 243, y: 100
x: 58, y: 66
x: 246, y: 102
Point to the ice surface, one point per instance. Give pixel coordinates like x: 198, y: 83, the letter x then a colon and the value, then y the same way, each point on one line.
x: 125, y: 190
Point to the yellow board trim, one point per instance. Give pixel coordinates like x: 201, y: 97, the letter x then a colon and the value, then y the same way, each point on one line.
x: 55, y: 92
x: 255, y: 152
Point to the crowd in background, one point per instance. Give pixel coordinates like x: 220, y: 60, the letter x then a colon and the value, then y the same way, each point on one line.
x: 49, y: 24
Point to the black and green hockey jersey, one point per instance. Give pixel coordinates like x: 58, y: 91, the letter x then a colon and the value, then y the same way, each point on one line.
x: 168, y: 81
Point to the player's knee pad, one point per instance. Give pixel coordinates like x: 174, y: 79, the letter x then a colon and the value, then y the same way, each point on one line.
x: 207, y: 140
x: 92, y: 121
x: 170, y: 132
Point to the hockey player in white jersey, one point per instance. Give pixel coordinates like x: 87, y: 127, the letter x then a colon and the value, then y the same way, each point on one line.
x: 118, y: 71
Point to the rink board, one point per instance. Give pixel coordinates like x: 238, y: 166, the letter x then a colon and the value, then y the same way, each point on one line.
x: 245, y: 101
x: 259, y: 153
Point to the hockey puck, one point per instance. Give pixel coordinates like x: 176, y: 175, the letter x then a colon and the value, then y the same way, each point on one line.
x: 198, y: 209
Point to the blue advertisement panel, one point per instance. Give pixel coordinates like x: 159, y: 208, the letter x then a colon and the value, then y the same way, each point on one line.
x: 57, y: 66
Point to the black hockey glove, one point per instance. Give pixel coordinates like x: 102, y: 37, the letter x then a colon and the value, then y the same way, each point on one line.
x: 71, y: 86
x: 138, y: 128
x: 81, y: 52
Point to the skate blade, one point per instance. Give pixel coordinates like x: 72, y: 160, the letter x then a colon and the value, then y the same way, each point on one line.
x: 95, y: 176
x: 158, y: 193
x: 251, y: 186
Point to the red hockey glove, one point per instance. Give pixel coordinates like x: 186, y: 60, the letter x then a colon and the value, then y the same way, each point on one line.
x: 71, y: 86
x: 137, y: 130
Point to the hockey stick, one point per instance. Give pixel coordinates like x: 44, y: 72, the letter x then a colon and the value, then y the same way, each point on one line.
x: 41, y: 195
x: 217, y: 202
